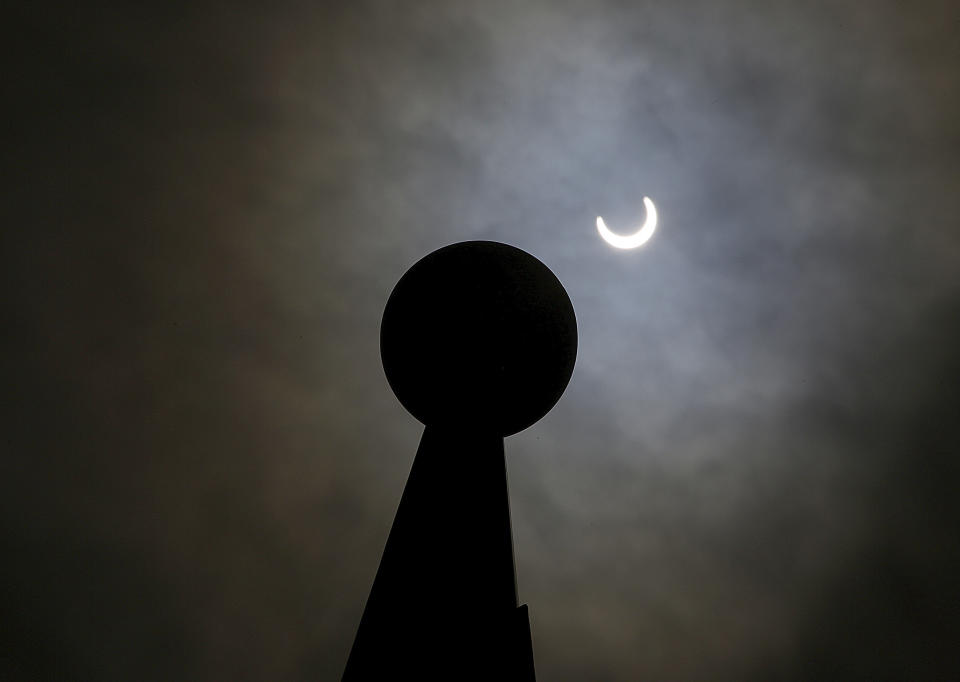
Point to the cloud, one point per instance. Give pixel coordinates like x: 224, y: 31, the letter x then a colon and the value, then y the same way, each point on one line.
x: 748, y: 477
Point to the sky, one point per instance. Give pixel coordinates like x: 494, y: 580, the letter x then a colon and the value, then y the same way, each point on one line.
x: 752, y: 474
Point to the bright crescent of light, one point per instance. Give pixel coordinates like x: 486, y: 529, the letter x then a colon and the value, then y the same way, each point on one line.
x: 638, y: 238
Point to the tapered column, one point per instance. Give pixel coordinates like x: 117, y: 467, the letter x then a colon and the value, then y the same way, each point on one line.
x: 444, y: 601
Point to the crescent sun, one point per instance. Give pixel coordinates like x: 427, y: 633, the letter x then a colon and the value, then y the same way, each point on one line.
x: 638, y: 238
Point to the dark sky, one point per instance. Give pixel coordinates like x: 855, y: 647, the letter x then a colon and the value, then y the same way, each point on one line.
x: 753, y: 474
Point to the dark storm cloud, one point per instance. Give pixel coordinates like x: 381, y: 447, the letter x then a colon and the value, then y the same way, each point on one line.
x: 751, y: 473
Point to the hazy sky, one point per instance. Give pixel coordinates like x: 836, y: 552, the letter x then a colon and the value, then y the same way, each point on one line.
x: 753, y: 473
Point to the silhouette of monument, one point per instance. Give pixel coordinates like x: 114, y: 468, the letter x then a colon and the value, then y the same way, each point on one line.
x: 478, y: 342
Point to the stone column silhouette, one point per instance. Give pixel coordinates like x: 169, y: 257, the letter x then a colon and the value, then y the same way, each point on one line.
x: 478, y: 342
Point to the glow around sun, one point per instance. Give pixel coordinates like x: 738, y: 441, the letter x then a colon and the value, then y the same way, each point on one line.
x: 638, y: 238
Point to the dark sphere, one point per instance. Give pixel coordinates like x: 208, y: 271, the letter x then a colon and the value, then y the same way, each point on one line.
x: 479, y: 335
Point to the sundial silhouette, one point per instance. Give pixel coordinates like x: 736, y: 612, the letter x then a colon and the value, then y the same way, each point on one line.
x: 478, y: 342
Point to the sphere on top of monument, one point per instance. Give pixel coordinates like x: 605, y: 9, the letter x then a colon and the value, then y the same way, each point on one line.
x: 479, y: 335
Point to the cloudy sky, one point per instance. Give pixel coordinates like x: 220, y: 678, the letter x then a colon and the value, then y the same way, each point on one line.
x: 753, y: 472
